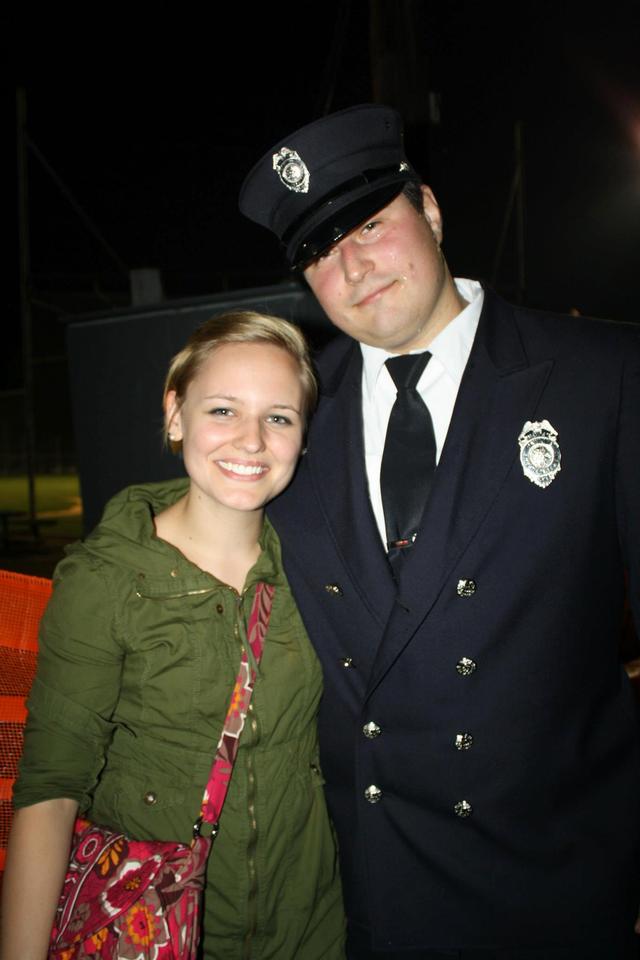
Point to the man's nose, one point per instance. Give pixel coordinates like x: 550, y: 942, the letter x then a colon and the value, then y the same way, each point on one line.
x: 355, y: 260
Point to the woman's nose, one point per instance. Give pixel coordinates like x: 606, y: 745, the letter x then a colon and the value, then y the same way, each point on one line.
x: 250, y: 436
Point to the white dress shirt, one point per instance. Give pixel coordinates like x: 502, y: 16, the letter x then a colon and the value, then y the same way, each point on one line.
x: 438, y: 386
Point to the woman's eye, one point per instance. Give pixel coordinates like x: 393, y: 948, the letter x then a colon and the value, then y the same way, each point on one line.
x: 371, y: 226
x: 221, y: 412
x: 278, y: 418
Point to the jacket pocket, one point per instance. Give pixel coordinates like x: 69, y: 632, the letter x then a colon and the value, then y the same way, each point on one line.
x: 145, y: 805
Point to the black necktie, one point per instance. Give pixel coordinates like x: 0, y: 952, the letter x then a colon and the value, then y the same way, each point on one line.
x: 409, y: 457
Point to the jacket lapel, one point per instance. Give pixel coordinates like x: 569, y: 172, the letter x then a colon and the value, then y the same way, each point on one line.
x: 498, y: 393
x: 337, y: 467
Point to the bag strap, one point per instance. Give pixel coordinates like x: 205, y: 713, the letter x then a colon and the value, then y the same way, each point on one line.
x: 227, y: 749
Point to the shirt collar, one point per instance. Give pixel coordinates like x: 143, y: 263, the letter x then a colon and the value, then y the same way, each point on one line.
x: 451, y: 347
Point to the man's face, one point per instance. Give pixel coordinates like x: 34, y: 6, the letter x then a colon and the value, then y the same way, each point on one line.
x: 386, y: 283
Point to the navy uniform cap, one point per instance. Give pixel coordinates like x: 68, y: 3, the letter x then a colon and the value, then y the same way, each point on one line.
x: 320, y: 182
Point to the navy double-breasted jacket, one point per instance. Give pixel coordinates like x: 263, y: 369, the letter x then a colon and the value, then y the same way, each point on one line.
x: 483, y: 699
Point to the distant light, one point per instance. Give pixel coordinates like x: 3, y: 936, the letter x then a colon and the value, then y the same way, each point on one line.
x: 625, y: 106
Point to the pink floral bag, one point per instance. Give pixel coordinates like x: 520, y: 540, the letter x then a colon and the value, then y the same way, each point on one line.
x: 126, y: 899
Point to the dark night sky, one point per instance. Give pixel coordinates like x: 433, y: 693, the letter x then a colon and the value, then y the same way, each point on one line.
x: 153, y: 125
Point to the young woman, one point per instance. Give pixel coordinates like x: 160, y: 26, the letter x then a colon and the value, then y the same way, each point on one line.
x: 140, y: 647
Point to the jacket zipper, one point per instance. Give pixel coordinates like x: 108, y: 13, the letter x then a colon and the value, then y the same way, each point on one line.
x: 252, y: 901
x: 240, y: 634
x: 252, y: 897
x: 177, y: 596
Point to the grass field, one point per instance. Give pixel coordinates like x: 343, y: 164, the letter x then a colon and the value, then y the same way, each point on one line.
x: 59, y: 516
x: 57, y: 500
x: 53, y: 492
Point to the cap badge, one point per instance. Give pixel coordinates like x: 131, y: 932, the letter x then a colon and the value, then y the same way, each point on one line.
x: 539, y: 452
x: 292, y: 170
x: 404, y: 166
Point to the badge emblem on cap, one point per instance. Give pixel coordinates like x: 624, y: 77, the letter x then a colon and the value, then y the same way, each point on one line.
x: 292, y: 170
x: 539, y: 452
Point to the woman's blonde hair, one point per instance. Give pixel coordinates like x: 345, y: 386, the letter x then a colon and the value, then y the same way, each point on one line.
x: 241, y: 326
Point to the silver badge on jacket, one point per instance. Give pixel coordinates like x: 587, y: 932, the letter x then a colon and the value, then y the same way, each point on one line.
x: 291, y: 169
x: 539, y: 452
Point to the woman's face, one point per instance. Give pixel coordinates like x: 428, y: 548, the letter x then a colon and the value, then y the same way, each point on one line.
x: 241, y: 425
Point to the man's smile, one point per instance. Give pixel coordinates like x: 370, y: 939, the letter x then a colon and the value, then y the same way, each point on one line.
x: 374, y: 295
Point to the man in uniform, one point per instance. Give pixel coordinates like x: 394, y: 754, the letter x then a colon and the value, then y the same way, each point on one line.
x: 458, y: 538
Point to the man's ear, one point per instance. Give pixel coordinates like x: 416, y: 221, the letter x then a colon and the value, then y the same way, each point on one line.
x: 172, y: 418
x: 432, y: 212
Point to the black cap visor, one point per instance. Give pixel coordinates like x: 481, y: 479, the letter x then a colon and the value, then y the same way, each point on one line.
x: 335, y: 218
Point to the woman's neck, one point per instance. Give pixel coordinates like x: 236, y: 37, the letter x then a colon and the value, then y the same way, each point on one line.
x: 221, y: 541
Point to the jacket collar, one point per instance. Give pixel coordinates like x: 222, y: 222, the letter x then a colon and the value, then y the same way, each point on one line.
x: 127, y: 531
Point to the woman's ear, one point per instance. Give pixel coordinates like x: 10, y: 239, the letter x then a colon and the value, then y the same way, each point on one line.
x: 172, y: 418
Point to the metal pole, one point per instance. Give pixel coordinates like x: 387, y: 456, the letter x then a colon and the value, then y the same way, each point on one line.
x: 66, y: 193
x: 513, y: 191
x: 519, y: 149
x: 25, y: 303
x: 515, y: 202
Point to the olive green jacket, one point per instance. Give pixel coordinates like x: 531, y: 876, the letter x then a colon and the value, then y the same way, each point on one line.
x: 139, y: 650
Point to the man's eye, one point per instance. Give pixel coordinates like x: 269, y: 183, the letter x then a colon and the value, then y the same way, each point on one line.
x: 324, y: 255
x: 369, y: 227
x: 221, y: 412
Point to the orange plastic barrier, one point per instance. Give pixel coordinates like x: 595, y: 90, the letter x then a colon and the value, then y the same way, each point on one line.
x: 22, y: 603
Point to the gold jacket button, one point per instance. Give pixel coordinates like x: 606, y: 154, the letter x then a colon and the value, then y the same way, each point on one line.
x: 466, y: 588
x: 465, y: 666
x: 463, y: 809
x: 463, y: 741
x: 174, y: 572
x: 371, y: 730
x: 372, y: 793
x: 334, y: 589
x: 150, y: 798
